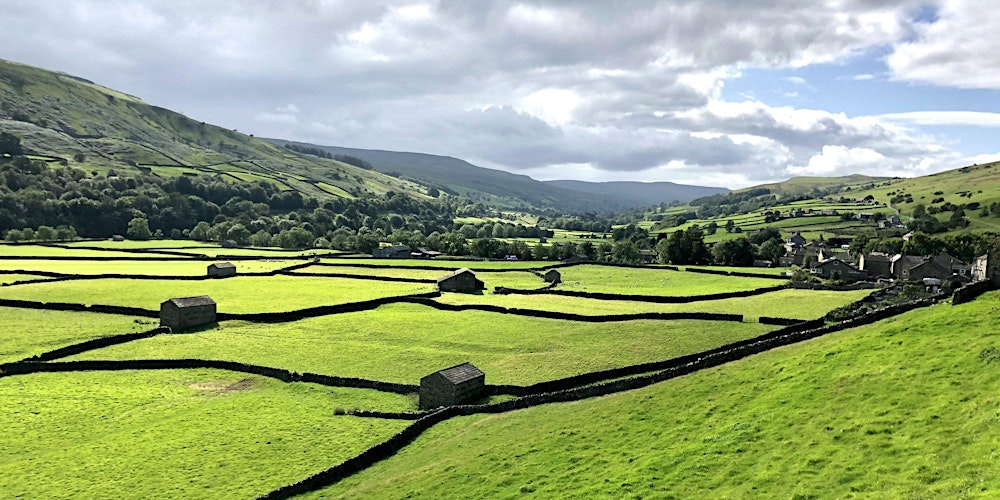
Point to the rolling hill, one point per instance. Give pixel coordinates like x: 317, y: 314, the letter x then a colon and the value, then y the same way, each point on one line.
x: 504, y: 189
x: 67, y: 119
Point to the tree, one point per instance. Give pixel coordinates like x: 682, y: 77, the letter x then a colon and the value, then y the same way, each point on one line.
x: 138, y: 229
x: 771, y: 250
x: 738, y: 252
x: 858, y: 244
x: 10, y: 144
x: 625, y: 252
x: 239, y: 234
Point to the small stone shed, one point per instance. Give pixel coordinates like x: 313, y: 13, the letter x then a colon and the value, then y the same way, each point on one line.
x: 222, y: 269
x: 186, y: 312
x: 463, y: 280
x: 457, y: 385
x: 552, y: 276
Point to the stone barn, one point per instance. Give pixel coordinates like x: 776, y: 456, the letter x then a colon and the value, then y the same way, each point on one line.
x: 452, y: 386
x: 222, y: 269
x: 552, y: 276
x: 183, y: 313
x: 463, y: 280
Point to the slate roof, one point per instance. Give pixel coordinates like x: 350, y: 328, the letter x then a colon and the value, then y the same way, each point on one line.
x: 461, y: 373
x: 224, y: 264
x: 201, y: 300
x: 456, y: 273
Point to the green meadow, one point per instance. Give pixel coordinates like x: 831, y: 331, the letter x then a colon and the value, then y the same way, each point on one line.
x: 403, y: 342
x: 905, y: 408
x: 241, y: 294
x: 874, y: 412
x: 174, y: 433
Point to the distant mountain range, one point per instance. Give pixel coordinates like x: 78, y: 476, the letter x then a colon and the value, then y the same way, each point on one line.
x: 507, y: 190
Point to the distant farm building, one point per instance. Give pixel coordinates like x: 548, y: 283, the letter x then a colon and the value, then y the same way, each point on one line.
x: 457, y: 385
x: 552, y: 276
x: 222, y: 269
x: 424, y: 253
x: 187, y: 312
x: 648, y: 256
x: 229, y: 244
x: 117, y: 237
x: 463, y: 280
x: 577, y: 259
x: 392, y: 252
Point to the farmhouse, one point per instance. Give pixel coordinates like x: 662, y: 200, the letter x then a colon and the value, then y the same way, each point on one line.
x: 552, y: 276
x: 985, y: 268
x: 877, y: 265
x: 796, y: 240
x: 392, y: 252
x: 463, y: 280
x: 452, y: 386
x: 834, y: 268
x: 183, y: 313
x: 222, y: 269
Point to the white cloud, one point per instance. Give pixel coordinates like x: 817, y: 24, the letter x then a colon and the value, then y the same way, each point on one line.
x: 946, y: 118
x: 957, y: 50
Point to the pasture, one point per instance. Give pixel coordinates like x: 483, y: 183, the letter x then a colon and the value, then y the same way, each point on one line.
x: 209, y: 433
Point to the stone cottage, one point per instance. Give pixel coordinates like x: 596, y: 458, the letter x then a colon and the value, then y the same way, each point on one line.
x: 187, y: 312
x: 457, y: 385
x: 463, y: 280
x: 222, y: 269
x: 552, y: 276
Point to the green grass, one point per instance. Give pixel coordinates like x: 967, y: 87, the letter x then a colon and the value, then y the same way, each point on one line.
x: 652, y: 281
x: 798, y: 304
x: 27, y: 332
x: 443, y: 263
x: 404, y: 342
x: 46, y: 251
x: 395, y: 272
x: 155, y: 268
x: 174, y: 434
x: 242, y: 294
x: 901, y: 409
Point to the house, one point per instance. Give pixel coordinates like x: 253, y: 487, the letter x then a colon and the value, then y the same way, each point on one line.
x: 229, y: 244
x: 222, y: 269
x: 985, y: 268
x: 183, y: 313
x: 552, y: 276
x: 901, y: 264
x: 425, y: 253
x: 462, y: 280
x: 392, y: 252
x: 959, y: 269
x: 877, y: 265
x: 836, y: 269
x: 457, y: 385
x: 793, y: 257
x: 796, y: 240
x: 648, y: 256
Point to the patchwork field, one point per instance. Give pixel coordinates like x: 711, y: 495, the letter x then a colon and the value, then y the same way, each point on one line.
x: 212, y: 433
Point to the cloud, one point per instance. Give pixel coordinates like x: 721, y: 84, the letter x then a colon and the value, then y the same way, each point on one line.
x: 945, y: 118
x: 591, y: 88
x: 957, y: 49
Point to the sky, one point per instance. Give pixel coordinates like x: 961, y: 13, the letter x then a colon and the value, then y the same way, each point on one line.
x: 723, y: 93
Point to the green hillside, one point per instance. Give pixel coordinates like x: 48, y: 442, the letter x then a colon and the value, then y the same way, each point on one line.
x: 805, y: 185
x: 66, y: 119
x: 974, y: 187
x: 905, y: 408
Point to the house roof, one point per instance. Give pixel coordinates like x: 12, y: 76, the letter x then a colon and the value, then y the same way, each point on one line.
x: 836, y: 261
x: 201, y: 300
x: 400, y: 248
x: 874, y: 257
x: 223, y: 264
x: 551, y: 271
x: 461, y: 373
x: 456, y: 273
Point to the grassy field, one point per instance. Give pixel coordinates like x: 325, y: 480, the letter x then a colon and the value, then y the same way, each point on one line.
x: 799, y: 304
x: 654, y: 281
x: 179, y: 434
x: 235, y: 295
x: 393, y: 272
x: 154, y: 268
x: 403, y: 342
x: 906, y: 408
x: 27, y: 332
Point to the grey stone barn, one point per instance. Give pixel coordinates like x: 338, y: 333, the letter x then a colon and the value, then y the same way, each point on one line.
x: 183, y: 313
x: 463, y: 280
x: 222, y: 269
x: 552, y: 276
x: 457, y: 385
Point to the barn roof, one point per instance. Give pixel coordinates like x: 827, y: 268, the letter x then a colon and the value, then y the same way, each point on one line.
x: 456, y: 273
x: 201, y: 300
x: 224, y: 264
x: 461, y: 373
